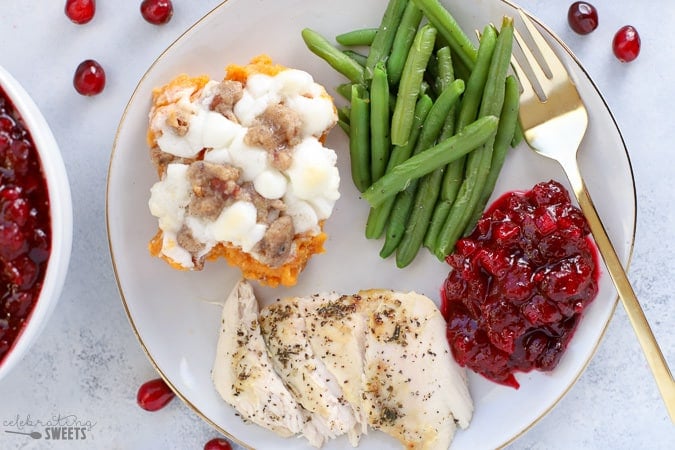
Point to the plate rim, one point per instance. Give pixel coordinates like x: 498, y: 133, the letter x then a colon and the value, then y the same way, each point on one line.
x: 196, y: 409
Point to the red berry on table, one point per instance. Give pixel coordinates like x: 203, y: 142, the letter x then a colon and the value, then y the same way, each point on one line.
x: 157, y: 12
x: 626, y: 44
x: 218, y: 444
x: 154, y: 395
x: 89, y: 78
x: 80, y: 11
x: 582, y: 17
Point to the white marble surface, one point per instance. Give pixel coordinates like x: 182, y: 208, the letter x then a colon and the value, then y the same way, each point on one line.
x: 88, y: 363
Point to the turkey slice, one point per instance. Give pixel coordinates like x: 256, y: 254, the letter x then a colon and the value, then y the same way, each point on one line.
x: 337, y: 334
x: 286, y: 334
x: 244, y: 376
x: 415, y: 391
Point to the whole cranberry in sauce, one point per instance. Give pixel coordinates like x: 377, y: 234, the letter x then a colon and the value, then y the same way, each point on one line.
x: 89, y: 78
x: 519, y: 284
x: 80, y: 11
x: 626, y: 44
x: 154, y: 395
x: 25, y: 225
x: 582, y: 17
x: 157, y: 12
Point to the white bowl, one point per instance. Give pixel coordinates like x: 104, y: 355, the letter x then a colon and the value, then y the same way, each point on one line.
x: 61, y: 212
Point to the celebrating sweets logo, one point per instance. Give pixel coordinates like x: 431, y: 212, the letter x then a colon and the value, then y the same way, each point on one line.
x: 57, y: 427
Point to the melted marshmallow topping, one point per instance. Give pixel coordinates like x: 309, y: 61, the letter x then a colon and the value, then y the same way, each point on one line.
x: 308, y: 188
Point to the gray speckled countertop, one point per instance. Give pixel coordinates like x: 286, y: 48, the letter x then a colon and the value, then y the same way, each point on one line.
x: 87, y: 364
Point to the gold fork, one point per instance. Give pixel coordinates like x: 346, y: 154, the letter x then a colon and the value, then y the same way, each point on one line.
x: 554, y: 126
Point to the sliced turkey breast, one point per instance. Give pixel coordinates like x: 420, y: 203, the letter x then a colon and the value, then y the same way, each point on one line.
x: 415, y: 391
x: 378, y: 358
x: 244, y: 375
x: 303, y: 370
x: 337, y: 334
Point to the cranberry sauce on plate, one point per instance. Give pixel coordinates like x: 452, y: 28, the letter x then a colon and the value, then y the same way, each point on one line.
x: 519, y: 284
x: 25, y: 231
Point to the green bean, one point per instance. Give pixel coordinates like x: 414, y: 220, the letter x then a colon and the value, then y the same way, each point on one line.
x: 405, y: 34
x: 358, y: 57
x: 425, y: 88
x: 398, y: 219
x: 384, y: 38
x: 403, y: 205
x: 397, y: 179
x: 446, y: 74
x: 429, y: 186
x: 478, y: 163
x: 363, y: 36
x: 461, y: 70
x: 454, y: 173
x: 343, y: 114
x: 452, y: 227
x: 359, y: 137
x: 475, y: 85
x: 380, y: 142
x: 411, y: 80
x: 435, y: 120
x: 378, y: 217
x: 508, y: 121
x: 418, y: 221
x: 318, y: 45
x: 345, y: 126
x: 447, y: 26
x: 493, y: 96
x: 517, y: 135
x: 345, y: 91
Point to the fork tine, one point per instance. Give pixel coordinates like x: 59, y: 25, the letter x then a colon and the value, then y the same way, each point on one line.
x: 550, y: 58
x: 541, y: 79
x: 526, y: 88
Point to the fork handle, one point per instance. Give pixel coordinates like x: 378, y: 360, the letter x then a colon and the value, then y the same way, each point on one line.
x: 650, y: 347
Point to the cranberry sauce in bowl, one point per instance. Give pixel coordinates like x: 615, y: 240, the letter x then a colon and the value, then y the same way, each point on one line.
x: 35, y: 221
x: 519, y: 284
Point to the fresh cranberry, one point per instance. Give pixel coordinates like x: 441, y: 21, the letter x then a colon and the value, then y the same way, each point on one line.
x: 80, y: 11
x: 582, y: 17
x: 626, y: 44
x: 157, y: 12
x: 218, y: 444
x: 154, y: 395
x: 89, y: 78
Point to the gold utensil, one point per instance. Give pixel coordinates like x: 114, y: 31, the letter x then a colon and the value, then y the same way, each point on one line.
x: 554, y: 121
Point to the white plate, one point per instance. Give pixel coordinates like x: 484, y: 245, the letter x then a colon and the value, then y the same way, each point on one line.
x: 175, y: 315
